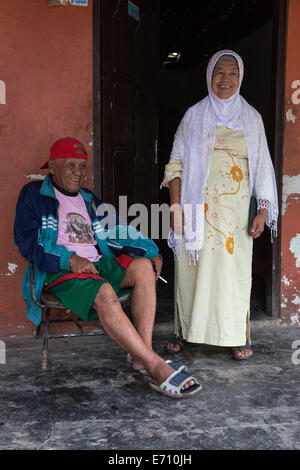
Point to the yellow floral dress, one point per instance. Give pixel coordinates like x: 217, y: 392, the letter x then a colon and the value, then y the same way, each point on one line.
x: 212, y: 298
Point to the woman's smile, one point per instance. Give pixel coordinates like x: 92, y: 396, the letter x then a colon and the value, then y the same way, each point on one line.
x: 225, y: 78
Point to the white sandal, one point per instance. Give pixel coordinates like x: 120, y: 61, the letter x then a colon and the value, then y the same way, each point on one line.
x: 172, y: 387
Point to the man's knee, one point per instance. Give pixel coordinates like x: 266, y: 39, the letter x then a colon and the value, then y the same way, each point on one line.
x: 105, y: 297
x: 143, y: 267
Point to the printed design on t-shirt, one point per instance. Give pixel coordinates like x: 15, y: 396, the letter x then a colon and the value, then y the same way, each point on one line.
x: 78, y: 229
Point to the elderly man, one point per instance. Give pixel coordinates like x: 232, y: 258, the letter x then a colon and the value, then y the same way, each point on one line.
x: 57, y: 227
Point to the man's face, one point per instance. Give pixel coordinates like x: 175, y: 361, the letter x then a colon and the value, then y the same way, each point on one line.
x: 225, y: 78
x: 68, y: 173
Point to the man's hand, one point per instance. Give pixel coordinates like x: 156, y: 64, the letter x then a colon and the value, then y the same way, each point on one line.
x: 81, y: 265
x: 157, y: 265
x: 258, y: 224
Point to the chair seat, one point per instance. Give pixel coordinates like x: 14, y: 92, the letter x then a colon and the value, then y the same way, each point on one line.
x: 51, y: 301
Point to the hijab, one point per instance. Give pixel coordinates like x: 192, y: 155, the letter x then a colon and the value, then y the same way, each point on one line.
x: 194, y: 144
x: 227, y: 112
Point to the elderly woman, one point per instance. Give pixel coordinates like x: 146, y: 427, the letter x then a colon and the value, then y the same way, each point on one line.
x: 219, y: 159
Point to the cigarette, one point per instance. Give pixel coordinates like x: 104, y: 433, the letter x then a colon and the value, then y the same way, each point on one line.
x: 163, y: 279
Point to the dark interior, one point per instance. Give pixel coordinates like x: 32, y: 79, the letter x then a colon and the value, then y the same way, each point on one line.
x: 195, y: 31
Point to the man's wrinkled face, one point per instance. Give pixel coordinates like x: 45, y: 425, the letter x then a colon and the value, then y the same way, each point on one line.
x: 225, y: 78
x: 68, y: 173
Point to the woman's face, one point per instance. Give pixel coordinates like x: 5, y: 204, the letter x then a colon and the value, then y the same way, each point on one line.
x: 225, y: 78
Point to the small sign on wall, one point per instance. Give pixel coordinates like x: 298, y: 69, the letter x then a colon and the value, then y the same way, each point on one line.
x: 56, y: 3
x: 79, y: 3
x: 133, y: 11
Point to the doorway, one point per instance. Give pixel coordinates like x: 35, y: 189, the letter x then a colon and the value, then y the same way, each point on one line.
x: 190, y: 35
x: 150, y: 59
x: 126, y: 76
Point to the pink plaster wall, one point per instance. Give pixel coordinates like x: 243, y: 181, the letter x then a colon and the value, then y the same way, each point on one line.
x: 46, y: 64
x: 290, y: 260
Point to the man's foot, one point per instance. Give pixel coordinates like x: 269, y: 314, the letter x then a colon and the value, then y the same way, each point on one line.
x: 176, y: 344
x: 173, y: 383
x: 162, y: 371
x: 136, y: 365
x: 139, y: 366
x: 242, y: 352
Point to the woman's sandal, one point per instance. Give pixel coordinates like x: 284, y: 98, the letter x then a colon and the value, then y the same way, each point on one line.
x: 236, y: 356
x: 176, y: 340
x: 172, y: 387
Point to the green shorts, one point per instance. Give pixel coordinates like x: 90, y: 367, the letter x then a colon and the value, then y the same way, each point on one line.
x: 77, y: 292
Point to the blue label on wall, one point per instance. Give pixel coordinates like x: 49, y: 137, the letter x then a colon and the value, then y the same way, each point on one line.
x: 133, y: 11
x: 81, y: 3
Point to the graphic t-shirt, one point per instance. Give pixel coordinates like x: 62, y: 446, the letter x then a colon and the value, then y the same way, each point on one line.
x: 74, y: 226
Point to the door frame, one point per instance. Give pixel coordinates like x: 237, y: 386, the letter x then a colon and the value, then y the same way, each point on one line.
x: 280, y: 8
x: 97, y: 97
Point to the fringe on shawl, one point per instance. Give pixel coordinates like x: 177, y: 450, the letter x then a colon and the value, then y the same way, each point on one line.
x: 178, y: 246
x: 272, y: 216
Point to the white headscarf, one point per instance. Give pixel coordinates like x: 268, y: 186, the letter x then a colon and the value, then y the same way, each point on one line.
x: 227, y: 111
x: 194, y: 144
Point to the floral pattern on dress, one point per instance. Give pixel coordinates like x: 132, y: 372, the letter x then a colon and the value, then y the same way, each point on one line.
x: 233, y: 182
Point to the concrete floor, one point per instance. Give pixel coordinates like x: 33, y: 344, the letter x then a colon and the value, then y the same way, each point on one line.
x: 89, y: 398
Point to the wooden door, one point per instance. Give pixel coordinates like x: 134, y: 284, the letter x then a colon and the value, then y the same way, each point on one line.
x: 128, y: 100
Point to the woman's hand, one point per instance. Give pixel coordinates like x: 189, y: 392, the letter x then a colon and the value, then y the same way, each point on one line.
x: 81, y: 265
x: 157, y: 266
x: 258, y: 224
x: 177, y: 221
x: 177, y: 217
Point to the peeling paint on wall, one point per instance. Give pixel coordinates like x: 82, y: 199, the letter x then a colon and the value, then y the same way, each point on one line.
x: 290, y: 116
x: 295, y: 319
x: 283, y: 304
x: 296, y: 300
x: 295, y: 248
x: 285, y: 280
x: 290, y: 185
x: 12, y: 267
x: 35, y: 177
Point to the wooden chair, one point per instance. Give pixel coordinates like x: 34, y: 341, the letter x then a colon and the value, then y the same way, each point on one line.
x: 49, y: 302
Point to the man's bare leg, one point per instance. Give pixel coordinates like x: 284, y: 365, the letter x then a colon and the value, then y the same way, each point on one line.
x: 119, y: 328
x: 141, y: 277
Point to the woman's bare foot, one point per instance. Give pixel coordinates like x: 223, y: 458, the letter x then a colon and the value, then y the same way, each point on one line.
x: 242, y: 352
x: 176, y: 344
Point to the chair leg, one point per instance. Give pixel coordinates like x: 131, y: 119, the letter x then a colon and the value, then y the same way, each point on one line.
x: 46, y: 334
x: 37, y: 331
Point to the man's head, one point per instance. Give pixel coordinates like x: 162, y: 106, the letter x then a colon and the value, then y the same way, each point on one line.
x: 68, y: 173
x: 68, y: 164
